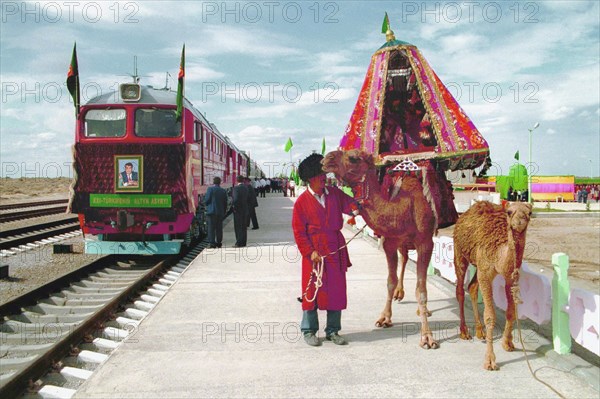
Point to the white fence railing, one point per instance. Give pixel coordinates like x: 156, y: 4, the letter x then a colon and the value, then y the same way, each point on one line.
x: 576, y: 311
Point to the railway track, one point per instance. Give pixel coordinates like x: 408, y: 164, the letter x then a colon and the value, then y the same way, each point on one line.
x: 15, y: 238
x: 55, y: 336
x: 27, y: 214
x: 33, y: 204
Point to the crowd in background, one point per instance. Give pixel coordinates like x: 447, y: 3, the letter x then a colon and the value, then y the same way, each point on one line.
x: 514, y: 195
x: 285, y: 186
x: 586, y: 192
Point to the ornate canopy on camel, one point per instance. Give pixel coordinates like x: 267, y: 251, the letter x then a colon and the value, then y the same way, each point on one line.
x: 404, y: 111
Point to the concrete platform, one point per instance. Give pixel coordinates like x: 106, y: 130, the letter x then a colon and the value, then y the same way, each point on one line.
x: 230, y: 328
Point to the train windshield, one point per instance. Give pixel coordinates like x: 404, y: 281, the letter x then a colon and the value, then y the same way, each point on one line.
x: 156, y: 122
x: 105, y: 123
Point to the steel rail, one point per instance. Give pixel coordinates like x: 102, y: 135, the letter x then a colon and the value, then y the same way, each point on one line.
x: 12, y: 216
x: 36, y: 235
x: 18, y: 383
x: 5, y: 233
x: 32, y: 204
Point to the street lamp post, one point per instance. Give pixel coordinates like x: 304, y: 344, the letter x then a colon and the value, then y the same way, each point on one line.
x: 529, y: 193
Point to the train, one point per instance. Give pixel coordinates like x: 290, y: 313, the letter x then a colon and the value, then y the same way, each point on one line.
x: 141, y: 170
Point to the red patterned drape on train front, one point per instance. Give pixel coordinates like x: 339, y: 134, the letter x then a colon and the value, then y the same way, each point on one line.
x: 318, y: 228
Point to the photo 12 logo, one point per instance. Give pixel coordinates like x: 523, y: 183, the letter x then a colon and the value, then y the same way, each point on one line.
x: 269, y: 11
x: 36, y: 170
x: 69, y: 11
x: 471, y: 11
x: 52, y: 92
x: 492, y: 92
x: 271, y: 92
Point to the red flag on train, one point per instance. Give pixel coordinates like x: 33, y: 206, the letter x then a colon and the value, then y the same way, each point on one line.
x: 180, y: 78
x: 73, y: 80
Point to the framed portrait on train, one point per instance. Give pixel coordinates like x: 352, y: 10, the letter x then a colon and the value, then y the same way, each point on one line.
x: 129, y: 173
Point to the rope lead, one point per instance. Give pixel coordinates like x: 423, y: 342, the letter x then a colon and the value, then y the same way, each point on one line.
x: 319, y: 267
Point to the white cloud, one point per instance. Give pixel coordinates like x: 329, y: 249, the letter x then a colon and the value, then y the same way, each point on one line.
x: 253, y: 42
x: 463, y: 42
x: 308, y: 100
x: 553, y: 62
x: 567, y: 93
x: 46, y: 136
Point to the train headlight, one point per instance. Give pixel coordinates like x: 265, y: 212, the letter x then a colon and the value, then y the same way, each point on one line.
x: 130, y: 91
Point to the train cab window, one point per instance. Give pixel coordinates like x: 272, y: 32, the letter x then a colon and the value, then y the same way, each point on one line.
x: 197, y: 132
x: 105, y: 123
x: 155, y: 122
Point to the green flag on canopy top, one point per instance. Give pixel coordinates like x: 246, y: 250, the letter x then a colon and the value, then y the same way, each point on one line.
x: 386, y: 24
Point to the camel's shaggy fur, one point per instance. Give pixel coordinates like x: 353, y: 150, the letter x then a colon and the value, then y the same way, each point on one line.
x: 405, y: 222
x: 492, y: 239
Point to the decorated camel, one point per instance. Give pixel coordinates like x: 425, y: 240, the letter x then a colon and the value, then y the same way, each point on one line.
x: 405, y: 222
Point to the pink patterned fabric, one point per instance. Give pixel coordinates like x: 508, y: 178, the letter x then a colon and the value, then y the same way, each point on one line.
x: 442, y: 131
x: 552, y: 187
x: 375, y: 100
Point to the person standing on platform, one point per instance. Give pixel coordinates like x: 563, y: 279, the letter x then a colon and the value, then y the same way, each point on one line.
x: 240, y: 212
x: 252, y: 204
x: 292, y: 185
x: 317, y: 222
x: 215, y: 200
x: 263, y: 187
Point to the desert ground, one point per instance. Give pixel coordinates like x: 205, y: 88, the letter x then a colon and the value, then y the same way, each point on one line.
x: 576, y: 234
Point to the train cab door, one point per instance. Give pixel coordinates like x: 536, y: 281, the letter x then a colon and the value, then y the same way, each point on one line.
x: 198, y: 176
x: 198, y: 134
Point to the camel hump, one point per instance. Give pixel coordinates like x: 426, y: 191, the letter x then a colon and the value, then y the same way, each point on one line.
x: 411, y: 184
x: 485, y: 208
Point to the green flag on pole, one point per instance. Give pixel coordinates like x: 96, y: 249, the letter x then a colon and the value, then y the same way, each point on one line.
x: 180, y: 79
x: 294, y: 176
x: 517, y: 155
x: 386, y: 24
x: 73, y: 80
x: 323, y: 147
x: 288, y: 145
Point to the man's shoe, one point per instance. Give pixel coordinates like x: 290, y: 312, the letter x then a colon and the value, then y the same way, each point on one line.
x: 255, y: 228
x: 336, y: 339
x: 311, y: 339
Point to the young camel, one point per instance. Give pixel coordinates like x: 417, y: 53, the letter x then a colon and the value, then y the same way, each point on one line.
x: 493, y: 239
x: 405, y: 222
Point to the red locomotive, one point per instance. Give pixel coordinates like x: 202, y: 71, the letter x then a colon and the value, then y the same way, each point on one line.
x: 140, y: 171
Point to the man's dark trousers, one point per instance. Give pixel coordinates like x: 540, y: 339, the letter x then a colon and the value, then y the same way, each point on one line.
x: 215, y: 229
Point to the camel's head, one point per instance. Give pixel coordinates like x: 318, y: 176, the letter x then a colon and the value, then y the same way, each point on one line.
x: 349, y: 166
x: 519, y: 214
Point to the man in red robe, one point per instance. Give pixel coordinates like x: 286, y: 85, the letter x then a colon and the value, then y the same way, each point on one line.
x: 317, y: 221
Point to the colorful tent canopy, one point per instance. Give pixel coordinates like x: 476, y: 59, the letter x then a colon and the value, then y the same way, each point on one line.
x: 404, y: 111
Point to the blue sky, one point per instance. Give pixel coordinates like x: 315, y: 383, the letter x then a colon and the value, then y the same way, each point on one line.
x: 266, y: 71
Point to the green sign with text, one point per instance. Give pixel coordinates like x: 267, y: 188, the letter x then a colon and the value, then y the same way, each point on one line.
x: 130, y: 200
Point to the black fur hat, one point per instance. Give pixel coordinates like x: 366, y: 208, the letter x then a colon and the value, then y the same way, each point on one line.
x: 310, y: 167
